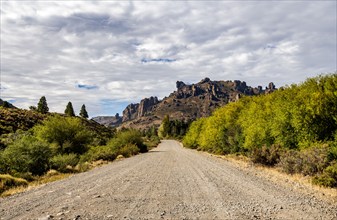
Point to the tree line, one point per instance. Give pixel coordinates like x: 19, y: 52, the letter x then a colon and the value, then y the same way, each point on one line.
x: 294, y: 128
x: 42, y: 107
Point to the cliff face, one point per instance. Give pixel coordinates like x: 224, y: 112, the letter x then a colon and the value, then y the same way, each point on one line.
x: 188, y: 102
x: 134, y: 111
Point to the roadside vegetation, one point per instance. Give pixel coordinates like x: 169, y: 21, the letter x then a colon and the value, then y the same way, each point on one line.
x: 40, y: 147
x: 294, y: 128
x: 175, y: 129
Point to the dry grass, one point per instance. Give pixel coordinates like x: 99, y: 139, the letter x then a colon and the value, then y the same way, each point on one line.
x: 42, y: 180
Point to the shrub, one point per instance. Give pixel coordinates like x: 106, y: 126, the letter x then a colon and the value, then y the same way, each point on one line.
x: 126, y: 137
x: 82, y: 167
x: 8, y: 181
x: 152, y: 142
x: 26, y: 154
x: 69, y: 134
x: 99, y: 153
x: 64, y: 163
x: 328, y: 178
x: 267, y: 155
x: 332, y: 153
x: 191, y: 139
x: 291, y: 162
x: 308, y: 162
x: 314, y: 161
x: 129, y: 150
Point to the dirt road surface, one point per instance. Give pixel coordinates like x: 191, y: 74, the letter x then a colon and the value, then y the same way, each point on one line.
x: 170, y: 182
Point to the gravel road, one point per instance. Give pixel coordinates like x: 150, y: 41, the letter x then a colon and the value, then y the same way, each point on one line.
x: 169, y: 182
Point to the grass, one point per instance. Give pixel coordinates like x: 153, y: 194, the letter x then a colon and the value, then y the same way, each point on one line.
x: 29, y: 185
x: 7, y: 181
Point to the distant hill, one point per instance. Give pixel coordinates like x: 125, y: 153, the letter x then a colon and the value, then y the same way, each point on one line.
x: 13, y: 119
x: 6, y: 104
x: 188, y: 102
x: 109, y: 121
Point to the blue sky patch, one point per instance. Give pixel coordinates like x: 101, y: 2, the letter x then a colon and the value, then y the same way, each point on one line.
x: 88, y: 87
x: 160, y: 60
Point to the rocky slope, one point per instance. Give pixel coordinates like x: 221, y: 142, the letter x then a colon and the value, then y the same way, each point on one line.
x: 188, y: 102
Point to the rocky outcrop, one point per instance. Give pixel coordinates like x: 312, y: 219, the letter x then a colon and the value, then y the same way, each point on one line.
x: 189, y: 102
x: 134, y: 111
x: 130, y: 112
x: 180, y: 84
x: 145, y: 105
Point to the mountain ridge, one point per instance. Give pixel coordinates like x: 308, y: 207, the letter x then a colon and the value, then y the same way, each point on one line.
x: 187, y: 102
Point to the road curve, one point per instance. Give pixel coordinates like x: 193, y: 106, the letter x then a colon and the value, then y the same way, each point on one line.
x: 169, y: 182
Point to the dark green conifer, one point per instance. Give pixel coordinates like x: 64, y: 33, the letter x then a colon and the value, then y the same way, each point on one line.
x: 42, y: 106
x: 83, y: 112
x: 69, y: 110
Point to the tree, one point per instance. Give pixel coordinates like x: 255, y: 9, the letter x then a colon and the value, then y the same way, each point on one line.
x: 42, y: 106
x: 33, y: 108
x: 165, y: 127
x: 26, y: 154
x: 6, y: 104
x: 69, y: 110
x: 68, y: 134
x: 83, y: 112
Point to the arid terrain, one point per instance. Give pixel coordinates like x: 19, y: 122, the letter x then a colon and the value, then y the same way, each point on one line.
x: 169, y: 182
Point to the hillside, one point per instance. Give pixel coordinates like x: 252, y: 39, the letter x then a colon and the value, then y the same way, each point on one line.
x: 13, y: 119
x: 109, y: 121
x: 187, y: 103
x: 6, y: 104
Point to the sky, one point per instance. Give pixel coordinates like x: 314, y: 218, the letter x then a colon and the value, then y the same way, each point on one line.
x: 107, y: 54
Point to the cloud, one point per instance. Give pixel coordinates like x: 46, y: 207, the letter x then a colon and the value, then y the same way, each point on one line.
x: 125, y: 51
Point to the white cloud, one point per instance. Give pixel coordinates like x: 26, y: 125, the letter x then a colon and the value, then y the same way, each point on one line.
x: 49, y: 48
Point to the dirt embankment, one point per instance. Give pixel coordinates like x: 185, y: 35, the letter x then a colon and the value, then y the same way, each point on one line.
x: 169, y: 182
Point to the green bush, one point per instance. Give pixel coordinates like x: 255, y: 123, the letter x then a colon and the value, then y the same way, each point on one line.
x: 332, y: 153
x: 68, y: 133
x: 152, y: 142
x: 191, y: 139
x: 8, y: 181
x: 328, y: 178
x: 128, y: 150
x: 26, y: 154
x: 64, y: 162
x: 99, y: 153
x: 126, y: 137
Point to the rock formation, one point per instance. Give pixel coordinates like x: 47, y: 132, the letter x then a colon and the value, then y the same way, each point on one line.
x: 189, y: 102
